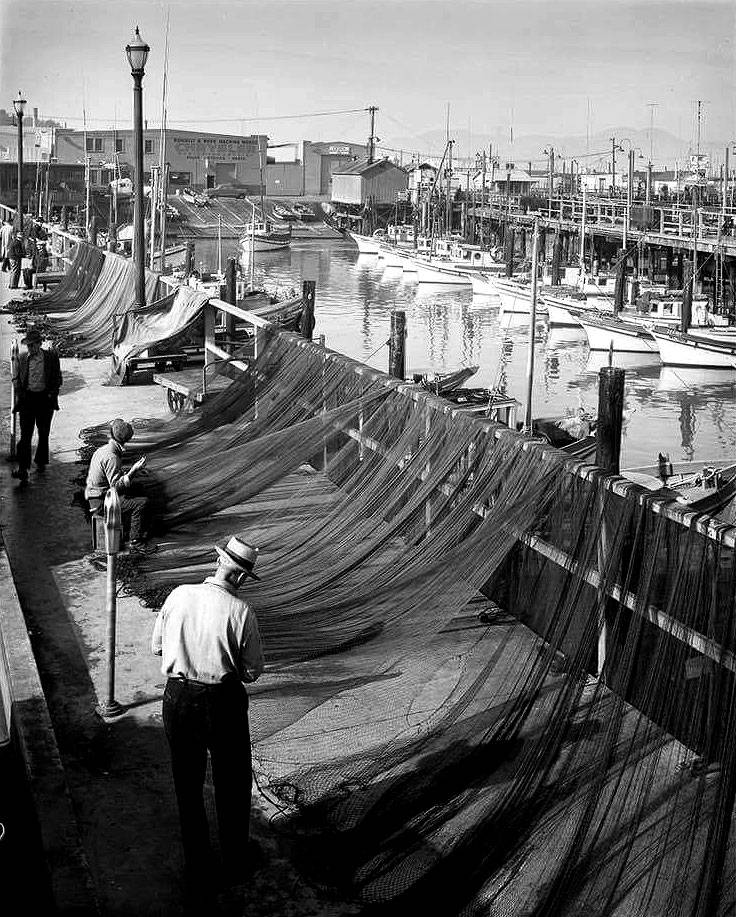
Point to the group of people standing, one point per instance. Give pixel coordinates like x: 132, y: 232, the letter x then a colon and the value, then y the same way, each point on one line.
x: 23, y: 254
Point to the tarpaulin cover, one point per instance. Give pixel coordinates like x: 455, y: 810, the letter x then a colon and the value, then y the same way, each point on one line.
x: 156, y: 324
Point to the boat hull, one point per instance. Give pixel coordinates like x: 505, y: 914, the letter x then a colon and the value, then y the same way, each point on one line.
x: 366, y: 244
x: 561, y: 317
x: 443, y: 276
x: 623, y: 339
x: 687, y: 350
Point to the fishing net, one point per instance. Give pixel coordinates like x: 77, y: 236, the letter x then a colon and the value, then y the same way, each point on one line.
x: 77, y: 285
x: 497, y: 683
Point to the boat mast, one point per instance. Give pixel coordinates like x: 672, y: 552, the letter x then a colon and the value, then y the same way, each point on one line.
x: 219, y: 244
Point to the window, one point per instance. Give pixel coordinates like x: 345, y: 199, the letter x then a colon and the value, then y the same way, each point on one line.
x: 119, y: 145
x: 148, y: 146
x: 94, y: 145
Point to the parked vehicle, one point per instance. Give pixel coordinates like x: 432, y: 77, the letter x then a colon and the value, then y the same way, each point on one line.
x: 226, y: 191
x: 303, y: 211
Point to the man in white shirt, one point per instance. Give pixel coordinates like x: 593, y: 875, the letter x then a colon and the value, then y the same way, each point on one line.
x: 210, y: 645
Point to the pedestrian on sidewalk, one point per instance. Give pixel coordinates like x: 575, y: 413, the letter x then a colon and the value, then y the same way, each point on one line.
x: 210, y: 646
x: 17, y: 253
x: 28, y: 263
x: 6, y: 238
x: 37, y: 383
x: 106, y: 471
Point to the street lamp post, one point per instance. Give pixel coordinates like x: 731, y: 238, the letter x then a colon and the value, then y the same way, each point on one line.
x: 137, y: 52
x: 19, y: 105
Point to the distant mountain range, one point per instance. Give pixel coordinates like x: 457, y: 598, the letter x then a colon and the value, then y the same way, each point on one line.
x: 667, y: 148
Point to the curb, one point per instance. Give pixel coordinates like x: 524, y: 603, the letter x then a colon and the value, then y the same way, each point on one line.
x: 70, y: 879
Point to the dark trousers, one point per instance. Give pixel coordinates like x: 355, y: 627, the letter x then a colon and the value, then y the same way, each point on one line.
x: 36, y: 411
x: 199, y: 718
x: 14, y: 274
x: 28, y: 277
x: 133, y: 511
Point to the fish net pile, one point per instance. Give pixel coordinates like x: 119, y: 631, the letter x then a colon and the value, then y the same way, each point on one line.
x: 78, y: 283
x: 496, y: 684
x: 87, y: 331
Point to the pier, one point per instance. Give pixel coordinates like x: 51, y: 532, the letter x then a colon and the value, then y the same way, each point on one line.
x: 460, y: 622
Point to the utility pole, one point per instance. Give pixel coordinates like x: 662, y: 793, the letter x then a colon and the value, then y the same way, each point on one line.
x: 614, y: 148
x: 372, y: 109
x: 551, y: 180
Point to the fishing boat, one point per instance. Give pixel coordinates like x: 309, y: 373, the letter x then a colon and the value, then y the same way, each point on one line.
x: 705, y: 487
x: 367, y: 245
x: 516, y: 297
x: 714, y: 349
x: 264, y: 236
x: 282, y: 212
x: 446, y: 276
x: 606, y: 333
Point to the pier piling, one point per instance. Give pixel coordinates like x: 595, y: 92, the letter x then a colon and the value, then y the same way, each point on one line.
x: 509, y: 249
x: 306, y: 322
x: 231, y: 295
x: 610, y: 418
x: 397, y: 345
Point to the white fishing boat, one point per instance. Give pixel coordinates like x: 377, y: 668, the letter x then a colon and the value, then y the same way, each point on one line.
x: 516, y: 298
x: 626, y: 337
x: 446, y: 276
x: 264, y: 236
x: 390, y: 256
x: 367, y: 245
x: 484, y: 284
x: 714, y: 349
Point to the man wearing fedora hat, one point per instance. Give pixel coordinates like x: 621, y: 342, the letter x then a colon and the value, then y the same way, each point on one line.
x: 210, y: 646
x: 37, y: 381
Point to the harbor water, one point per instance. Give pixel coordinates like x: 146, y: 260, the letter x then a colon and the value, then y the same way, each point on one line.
x: 688, y: 413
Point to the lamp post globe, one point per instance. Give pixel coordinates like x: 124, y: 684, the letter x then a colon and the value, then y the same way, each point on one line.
x: 137, y: 52
x: 19, y: 105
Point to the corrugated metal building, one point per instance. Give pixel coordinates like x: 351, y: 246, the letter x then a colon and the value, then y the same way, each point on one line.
x: 366, y: 182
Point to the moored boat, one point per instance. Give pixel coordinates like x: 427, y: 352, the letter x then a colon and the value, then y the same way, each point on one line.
x: 263, y: 236
x: 604, y: 334
x: 367, y: 245
x: 706, y: 349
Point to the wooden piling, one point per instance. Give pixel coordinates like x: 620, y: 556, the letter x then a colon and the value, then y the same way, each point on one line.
x: 189, y: 262
x: 608, y: 452
x: 556, y: 259
x: 620, y: 288
x: 610, y: 418
x: 687, y: 296
x: 396, y: 346
x: 306, y: 320
x: 231, y: 296
x: 509, y: 249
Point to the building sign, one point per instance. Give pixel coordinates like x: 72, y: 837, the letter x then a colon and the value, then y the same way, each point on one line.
x: 228, y: 149
x: 338, y: 151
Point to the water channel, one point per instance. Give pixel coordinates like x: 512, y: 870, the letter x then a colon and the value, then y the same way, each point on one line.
x: 688, y: 413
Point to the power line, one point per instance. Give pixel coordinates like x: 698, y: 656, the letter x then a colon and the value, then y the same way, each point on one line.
x: 312, y: 114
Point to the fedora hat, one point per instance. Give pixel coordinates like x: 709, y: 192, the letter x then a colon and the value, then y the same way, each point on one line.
x: 238, y: 553
x: 32, y: 335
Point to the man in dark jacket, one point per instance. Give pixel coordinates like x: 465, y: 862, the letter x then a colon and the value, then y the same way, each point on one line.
x: 17, y: 253
x: 37, y: 381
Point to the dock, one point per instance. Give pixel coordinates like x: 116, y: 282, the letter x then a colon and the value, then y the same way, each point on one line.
x: 484, y: 662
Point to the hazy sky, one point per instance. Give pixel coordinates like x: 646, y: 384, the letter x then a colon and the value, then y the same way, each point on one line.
x: 541, y: 63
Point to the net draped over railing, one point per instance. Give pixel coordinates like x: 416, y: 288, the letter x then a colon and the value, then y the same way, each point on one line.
x: 85, y: 265
x: 427, y: 758
x: 88, y: 330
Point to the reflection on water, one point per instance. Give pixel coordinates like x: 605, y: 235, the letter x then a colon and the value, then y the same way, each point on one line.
x: 691, y: 414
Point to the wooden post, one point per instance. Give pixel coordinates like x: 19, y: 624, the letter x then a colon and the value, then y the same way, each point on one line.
x: 306, y: 320
x: 687, y: 296
x: 608, y: 452
x: 528, y: 422
x: 325, y: 447
x: 620, y: 288
x: 397, y: 345
x: 209, y: 338
x: 231, y: 296
x: 556, y: 258
x: 610, y: 418
x: 670, y: 271
x: 190, y: 257
x: 509, y: 249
